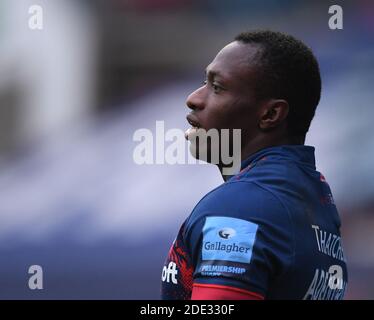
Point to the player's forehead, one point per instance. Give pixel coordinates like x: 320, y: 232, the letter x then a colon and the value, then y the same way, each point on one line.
x: 234, y: 62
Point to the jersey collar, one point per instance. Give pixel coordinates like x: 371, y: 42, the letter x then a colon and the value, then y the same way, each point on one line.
x: 298, y: 153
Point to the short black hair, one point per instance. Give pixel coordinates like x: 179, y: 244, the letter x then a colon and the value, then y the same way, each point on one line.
x: 287, y: 69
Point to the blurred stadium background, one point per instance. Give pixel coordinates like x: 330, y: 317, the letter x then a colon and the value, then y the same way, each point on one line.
x: 71, y: 96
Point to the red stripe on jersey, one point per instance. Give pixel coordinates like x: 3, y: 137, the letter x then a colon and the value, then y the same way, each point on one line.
x: 219, y: 292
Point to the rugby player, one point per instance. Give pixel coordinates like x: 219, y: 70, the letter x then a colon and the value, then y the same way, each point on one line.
x: 271, y: 231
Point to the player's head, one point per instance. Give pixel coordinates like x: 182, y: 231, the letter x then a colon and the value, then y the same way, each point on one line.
x: 286, y: 69
x: 265, y: 83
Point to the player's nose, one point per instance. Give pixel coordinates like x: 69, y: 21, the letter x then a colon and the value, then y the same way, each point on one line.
x: 196, y: 99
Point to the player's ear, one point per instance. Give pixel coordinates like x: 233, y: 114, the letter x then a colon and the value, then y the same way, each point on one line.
x: 272, y: 113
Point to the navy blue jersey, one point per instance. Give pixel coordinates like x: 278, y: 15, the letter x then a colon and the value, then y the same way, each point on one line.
x: 271, y: 230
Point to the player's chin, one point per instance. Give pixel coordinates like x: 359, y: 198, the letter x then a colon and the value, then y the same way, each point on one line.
x: 204, y: 152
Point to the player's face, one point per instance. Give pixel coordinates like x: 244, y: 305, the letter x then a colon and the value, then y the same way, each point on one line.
x: 226, y: 99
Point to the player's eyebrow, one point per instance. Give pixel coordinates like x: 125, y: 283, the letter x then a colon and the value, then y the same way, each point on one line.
x: 213, y: 73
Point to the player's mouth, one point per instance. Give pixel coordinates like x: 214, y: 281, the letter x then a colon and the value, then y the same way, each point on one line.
x: 195, y: 125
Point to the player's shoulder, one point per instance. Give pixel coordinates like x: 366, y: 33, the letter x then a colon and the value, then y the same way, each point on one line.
x: 233, y: 192
x: 241, y: 199
x: 251, y: 195
x: 239, y: 207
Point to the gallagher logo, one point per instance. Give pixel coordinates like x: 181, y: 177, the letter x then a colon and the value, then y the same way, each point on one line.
x: 226, y: 233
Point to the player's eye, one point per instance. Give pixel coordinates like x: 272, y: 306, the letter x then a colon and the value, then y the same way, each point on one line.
x: 216, y: 88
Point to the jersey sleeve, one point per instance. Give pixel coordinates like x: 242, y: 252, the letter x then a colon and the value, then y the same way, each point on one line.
x: 240, y: 237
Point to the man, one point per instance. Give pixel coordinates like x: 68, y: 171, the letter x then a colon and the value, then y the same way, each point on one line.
x: 272, y: 230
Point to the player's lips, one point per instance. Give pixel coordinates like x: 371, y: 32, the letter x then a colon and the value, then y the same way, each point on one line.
x: 193, y: 121
x: 195, y: 125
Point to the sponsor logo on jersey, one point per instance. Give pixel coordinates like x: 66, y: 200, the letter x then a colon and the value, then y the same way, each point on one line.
x: 226, y: 233
x: 228, y: 239
x: 217, y: 270
x: 169, y: 273
x: 219, y: 246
